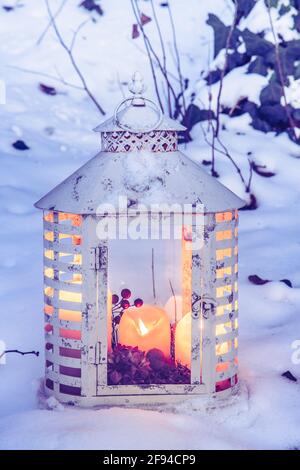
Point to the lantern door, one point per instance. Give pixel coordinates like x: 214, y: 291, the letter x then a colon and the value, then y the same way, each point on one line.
x: 150, y: 322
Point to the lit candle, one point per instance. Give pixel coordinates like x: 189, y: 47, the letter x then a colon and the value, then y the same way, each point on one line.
x: 183, y: 340
x: 146, y: 327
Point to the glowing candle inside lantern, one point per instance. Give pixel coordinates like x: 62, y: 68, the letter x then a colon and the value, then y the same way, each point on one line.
x: 146, y: 327
x: 109, y: 320
x: 186, y: 269
x: 183, y: 340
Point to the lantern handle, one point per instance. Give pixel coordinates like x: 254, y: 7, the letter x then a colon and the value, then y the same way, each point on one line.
x: 137, y: 87
x: 142, y: 129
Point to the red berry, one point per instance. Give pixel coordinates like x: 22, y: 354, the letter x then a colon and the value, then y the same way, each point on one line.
x: 138, y: 303
x: 115, y: 299
x: 126, y: 293
x: 125, y: 304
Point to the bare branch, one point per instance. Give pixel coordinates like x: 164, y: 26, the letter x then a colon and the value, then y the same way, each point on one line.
x: 50, y: 23
x: 59, y: 78
x: 146, y: 42
x: 151, y: 52
x: 163, y: 53
x: 23, y: 353
x: 177, y: 55
x: 72, y: 59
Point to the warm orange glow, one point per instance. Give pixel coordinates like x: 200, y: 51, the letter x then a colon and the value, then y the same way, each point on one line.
x: 49, y: 236
x: 49, y: 254
x: 222, y: 309
x: 223, y: 290
x: 75, y: 218
x: 49, y: 272
x: 223, y: 329
x: 70, y: 296
x: 222, y: 272
x: 71, y: 334
x: 223, y: 217
x: 223, y: 253
x: 183, y: 340
x: 49, y: 217
x: 186, y: 248
x: 223, y: 235
x: 109, y: 320
x: 49, y: 291
x: 69, y: 315
x: 222, y: 366
x: 48, y: 309
x: 146, y: 327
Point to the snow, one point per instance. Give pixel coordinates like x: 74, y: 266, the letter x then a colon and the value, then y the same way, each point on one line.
x: 57, y: 129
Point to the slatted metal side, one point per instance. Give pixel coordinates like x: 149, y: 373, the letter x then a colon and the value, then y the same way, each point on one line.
x: 226, y: 294
x: 63, y: 301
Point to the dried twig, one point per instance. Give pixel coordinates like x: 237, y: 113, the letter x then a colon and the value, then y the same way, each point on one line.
x: 177, y: 56
x: 153, y: 57
x: 174, y: 296
x: 59, y: 78
x: 23, y: 353
x: 163, y: 52
x: 50, y: 22
x: 148, y: 50
x: 224, y: 151
x: 69, y: 51
x: 216, y: 129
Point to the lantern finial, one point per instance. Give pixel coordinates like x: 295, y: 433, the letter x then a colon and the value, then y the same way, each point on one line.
x: 137, y: 85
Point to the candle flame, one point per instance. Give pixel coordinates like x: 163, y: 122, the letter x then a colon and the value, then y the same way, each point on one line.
x: 142, y: 327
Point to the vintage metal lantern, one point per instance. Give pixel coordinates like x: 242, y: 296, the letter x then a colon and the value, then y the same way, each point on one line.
x: 140, y: 270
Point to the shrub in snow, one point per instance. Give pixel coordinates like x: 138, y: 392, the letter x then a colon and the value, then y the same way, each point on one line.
x: 260, y: 70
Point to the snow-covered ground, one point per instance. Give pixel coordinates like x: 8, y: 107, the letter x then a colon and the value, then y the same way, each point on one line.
x: 58, y: 131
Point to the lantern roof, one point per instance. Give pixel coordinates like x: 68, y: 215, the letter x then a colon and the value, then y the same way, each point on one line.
x: 141, y: 175
x: 144, y: 177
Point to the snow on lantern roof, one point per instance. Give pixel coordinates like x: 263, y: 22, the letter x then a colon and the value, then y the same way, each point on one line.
x: 141, y: 175
x: 138, y: 114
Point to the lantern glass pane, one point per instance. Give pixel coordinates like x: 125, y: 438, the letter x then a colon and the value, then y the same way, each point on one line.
x: 149, y: 312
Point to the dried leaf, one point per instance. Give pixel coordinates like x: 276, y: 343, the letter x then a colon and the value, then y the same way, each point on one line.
x: 145, y: 19
x: 288, y: 375
x: 135, y: 31
x: 287, y: 282
x: 258, y: 281
x: 90, y: 5
x: 260, y: 170
x: 20, y: 145
x: 48, y: 90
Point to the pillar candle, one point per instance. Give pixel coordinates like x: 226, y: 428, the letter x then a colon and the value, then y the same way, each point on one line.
x: 146, y: 327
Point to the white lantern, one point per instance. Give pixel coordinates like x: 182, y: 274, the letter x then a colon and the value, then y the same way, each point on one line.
x: 140, y: 256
